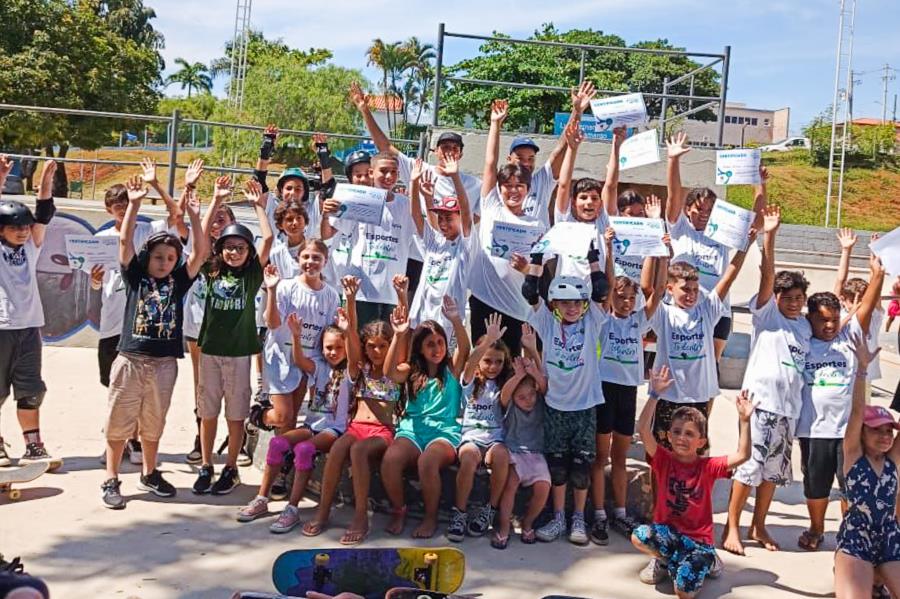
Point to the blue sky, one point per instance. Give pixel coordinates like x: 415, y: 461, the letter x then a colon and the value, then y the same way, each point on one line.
x: 783, y: 51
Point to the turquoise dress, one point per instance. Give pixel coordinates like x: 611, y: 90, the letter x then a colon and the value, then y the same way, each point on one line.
x: 433, y: 414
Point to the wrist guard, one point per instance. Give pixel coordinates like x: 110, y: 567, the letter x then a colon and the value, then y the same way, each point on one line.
x: 530, y: 290
x: 268, y: 146
x: 599, y: 286
x: 537, y: 259
x: 44, y: 211
x: 324, y: 155
x: 593, y: 255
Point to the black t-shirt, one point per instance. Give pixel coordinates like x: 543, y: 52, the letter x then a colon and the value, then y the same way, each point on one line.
x: 154, y: 311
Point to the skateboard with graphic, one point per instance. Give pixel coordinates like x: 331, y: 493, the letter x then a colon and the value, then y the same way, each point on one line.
x: 368, y: 572
x: 18, y: 475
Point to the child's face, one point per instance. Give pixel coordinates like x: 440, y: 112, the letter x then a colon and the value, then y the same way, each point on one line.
x: 15, y: 234
x: 825, y: 323
x: 117, y: 211
x: 525, y: 396
x: 569, y: 310
x: 293, y: 190
x: 359, y: 174
x: 333, y: 348
x: 448, y: 223
x: 311, y: 261
x: 524, y: 157
x: 491, y: 364
x: 450, y: 150
x: 384, y: 174
x: 376, y: 350
x: 162, y: 261
x: 235, y: 251
x: 699, y: 212
x: 635, y: 210
x: 685, y: 438
x: 513, y: 194
x: 220, y: 221
x: 587, y: 205
x: 790, y: 302
x: 434, y: 349
x: 684, y: 292
x: 294, y: 225
x: 878, y: 439
x: 623, y: 299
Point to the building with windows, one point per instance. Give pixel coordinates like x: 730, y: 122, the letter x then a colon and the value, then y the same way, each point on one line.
x: 743, y: 126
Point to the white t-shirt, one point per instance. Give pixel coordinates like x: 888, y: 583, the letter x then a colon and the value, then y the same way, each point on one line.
x: 380, y: 252
x: 575, y: 265
x: 443, y: 186
x: 112, y: 289
x: 778, y: 348
x: 570, y: 357
x: 684, y: 343
x: 875, y: 322
x: 829, y: 371
x: 20, y: 302
x: 707, y: 256
x: 493, y: 280
x: 445, y: 272
x: 327, y: 405
x: 622, y: 350
x: 537, y: 202
x: 284, y: 257
x: 482, y: 420
x: 313, y: 210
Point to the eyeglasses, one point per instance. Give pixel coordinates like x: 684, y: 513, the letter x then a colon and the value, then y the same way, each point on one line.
x: 239, y: 248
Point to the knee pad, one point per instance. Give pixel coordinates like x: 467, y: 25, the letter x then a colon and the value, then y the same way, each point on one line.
x: 31, y: 402
x: 580, y: 471
x: 304, y: 456
x: 558, y: 464
x: 278, y: 448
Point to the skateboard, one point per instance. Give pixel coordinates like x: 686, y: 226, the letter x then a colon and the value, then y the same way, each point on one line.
x: 368, y: 572
x: 562, y: 597
x: 20, y: 474
x: 255, y: 595
x: 413, y: 593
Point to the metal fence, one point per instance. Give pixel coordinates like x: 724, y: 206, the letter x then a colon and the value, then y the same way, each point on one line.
x: 721, y: 60
x: 174, y: 122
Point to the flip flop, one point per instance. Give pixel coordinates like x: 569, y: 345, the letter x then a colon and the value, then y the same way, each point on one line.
x: 528, y: 537
x: 312, y: 529
x: 809, y: 541
x: 498, y: 542
x: 354, y: 537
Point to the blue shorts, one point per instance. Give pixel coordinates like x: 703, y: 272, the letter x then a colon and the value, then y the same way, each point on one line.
x: 688, y: 561
x: 422, y: 435
x: 864, y: 540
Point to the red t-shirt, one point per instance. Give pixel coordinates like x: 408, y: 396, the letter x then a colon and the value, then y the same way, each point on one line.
x: 684, y: 493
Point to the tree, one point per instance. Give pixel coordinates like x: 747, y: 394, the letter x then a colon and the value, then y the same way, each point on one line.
x: 533, y: 109
x: 191, y: 76
x: 258, y: 47
x: 420, y: 78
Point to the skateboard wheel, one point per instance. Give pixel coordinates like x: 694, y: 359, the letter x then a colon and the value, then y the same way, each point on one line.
x: 431, y: 559
x: 15, y: 494
x: 322, y: 559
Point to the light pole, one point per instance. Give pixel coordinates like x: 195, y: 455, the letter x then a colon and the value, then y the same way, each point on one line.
x: 743, y: 128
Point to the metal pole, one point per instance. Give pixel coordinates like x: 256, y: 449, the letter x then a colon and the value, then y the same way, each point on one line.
x: 848, y: 120
x: 834, y: 108
x: 723, y: 95
x: 663, y: 110
x: 173, y: 151
x: 581, y: 69
x: 436, y: 104
x: 423, y: 146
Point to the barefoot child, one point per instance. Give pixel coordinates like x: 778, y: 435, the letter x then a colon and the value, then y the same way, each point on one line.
x: 486, y: 371
x: 428, y: 432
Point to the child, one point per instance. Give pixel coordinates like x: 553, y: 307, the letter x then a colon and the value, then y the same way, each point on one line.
x: 774, y: 378
x: 22, y: 315
x: 827, y: 397
x: 373, y: 401
x: 621, y: 371
x: 428, y: 432
x: 893, y: 307
x: 680, y: 539
x: 380, y: 251
x: 486, y: 371
x: 143, y: 374
x: 868, y: 542
x: 523, y: 407
x: 325, y: 421
x: 228, y: 337
x: 570, y: 325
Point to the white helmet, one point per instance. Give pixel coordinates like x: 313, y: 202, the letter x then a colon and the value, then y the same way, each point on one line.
x: 568, y: 288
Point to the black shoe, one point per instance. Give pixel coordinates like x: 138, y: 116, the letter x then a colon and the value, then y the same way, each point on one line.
x: 156, y: 484
x: 599, y: 532
x: 110, y: 495
x: 227, y: 481
x: 194, y: 456
x: 456, y: 530
x: 34, y: 452
x: 13, y: 577
x: 204, y: 480
x: 257, y: 414
x: 279, y: 488
x: 624, y: 525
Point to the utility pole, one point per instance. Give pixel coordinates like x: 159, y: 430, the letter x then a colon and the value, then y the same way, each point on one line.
x: 843, y: 65
x: 888, y: 76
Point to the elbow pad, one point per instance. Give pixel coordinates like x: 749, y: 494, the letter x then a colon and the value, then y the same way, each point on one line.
x: 599, y: 286
x: 530, y: 290
x: 261, y: 177
x: 44, y: 211
x: 328, y: 188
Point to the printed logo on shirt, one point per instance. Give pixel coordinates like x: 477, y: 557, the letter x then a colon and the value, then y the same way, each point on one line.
x: 438, y: 270
x: 681, y: 493
x: 830, y: 373
x: 623, y: 350
x: 14, y: 256
x: 798, y: 358
x: 228, y: 293
x: 628, y: 266
x: 566, y: 350
x: 156, y: 313
x: 324, y: 401
x: 687, y: 347
x: 381, y: 247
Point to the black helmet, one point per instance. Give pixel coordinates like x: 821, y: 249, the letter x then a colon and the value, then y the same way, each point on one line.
x: 15, y: 213
x: 354, y: 158
x: 236, y: 230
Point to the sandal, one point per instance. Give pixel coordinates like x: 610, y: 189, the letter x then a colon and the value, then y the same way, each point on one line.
x: 354, y: 537
x: 810, y: 541
x: 528, y: 536
x: 312, y: 529
x: 499, y: 542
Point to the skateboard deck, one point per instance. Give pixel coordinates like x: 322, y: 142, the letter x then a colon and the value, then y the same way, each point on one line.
x: 413, y: 593
x: 255, y: 595
x: 562, y: 597
x: 368, y: 572
x: 20, y: 474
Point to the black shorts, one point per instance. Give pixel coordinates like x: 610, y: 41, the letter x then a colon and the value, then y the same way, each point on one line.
x: 367, y: 312
x: 107, y: 350
x: 20, y: 365
x: 722, y: 330
x: 478, y: 313
x: 617, y: 412
x: 821, y: 461
x: 662, y: 420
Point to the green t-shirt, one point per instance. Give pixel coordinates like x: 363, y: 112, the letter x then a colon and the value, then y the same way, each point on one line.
x: 229, y: 319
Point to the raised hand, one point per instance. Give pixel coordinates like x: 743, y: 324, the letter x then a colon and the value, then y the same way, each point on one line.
x: 582, y: 96
x: 864, y: 356
x: 342, y: 321
x: 519, y: 366
x: 97, y: 273
x: 745, y: 405
x: 450, y: 310
x: 529, y: 337
x: 574, y: 135
x: 136, y: 189
x: 771, y: 218
x: 359, y: 99
x: 608, y: 235
x: 763, y: 175
x: 653, y: 207
x: 401, y: 284
x: 295, y: 324
x: 493, y: 331
x: 661, y: 380
x: 331, y: 206
x: 426, y: 186
x: 254, y: 193
x: 499, y: 111
x: 875, y: 265
x: 271, y: 131
x: 319, y: 138
x: 6, y: 165
x: 416, y: 173
x: 518, y: 262
x: 400, y: 319
x: 619, y: 135
x: 350, y: 284
x: 47, y: 173
x: 532, y: 368
x: 448, y: 167
x: 223, y: 188
x: 847, y: 238
x: 193, y: 172
x: 190, y: 203
x: 148, y: 166
x: 677, y: 145
x: 271, y: 276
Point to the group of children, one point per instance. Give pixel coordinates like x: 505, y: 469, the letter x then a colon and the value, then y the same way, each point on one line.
x: 364, y: 360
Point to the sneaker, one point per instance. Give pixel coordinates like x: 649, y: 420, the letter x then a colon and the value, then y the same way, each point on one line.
x: 4, y: 456
x: 257, y: 413
x: 156, y: 484
x: 599, y: 534
x: 482, y: 521
x: 194, y: 456
x: 625, y: 525
x: 279, y: 488
x: 578, y: 531
x: 654, y: 572
x: 227, y: 481
x: 110, y: 495
x: 204, y: 480
x: 34, y: 452
x: 135, y: 452
x: 258, y: 507
x: 287, y: 520
x: 717, y: 568
x: 456, y: 530
x: 551, y: 531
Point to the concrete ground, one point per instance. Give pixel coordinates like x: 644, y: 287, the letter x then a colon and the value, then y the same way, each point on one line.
x: 191, y: 546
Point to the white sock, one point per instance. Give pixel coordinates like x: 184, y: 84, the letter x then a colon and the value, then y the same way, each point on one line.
x: 266, y: 499
x: 559, y: 516
x: 600, y: 514
x: 619, y: 512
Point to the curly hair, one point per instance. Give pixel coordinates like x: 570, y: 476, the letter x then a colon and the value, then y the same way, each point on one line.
x: 785, y: 280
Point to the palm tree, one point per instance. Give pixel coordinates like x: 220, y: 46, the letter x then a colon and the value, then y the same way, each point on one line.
x: 375, y: 56
x: 191, y: 76
x: 421, y: 74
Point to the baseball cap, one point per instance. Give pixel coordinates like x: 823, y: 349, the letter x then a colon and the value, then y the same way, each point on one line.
x: 451, y: 137
x: 875, y: 416
x: 523, y: 142
x: 445, y: 204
